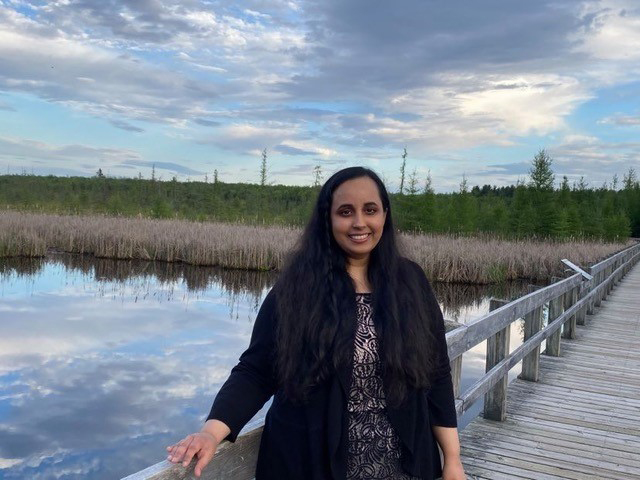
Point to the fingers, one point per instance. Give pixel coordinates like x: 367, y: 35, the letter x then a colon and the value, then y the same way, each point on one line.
x: 203, y: 459
x: 192, y: 449
x: 202, y: 446
x: 177, y: 451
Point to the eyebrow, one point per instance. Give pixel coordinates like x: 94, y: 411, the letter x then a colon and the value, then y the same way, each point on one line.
x: 368, y: 204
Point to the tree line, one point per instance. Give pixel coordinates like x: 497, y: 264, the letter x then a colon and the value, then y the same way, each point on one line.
x: 536, y: 207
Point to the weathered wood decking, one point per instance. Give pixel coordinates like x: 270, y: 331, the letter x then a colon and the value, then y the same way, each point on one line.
x: 581, y: 420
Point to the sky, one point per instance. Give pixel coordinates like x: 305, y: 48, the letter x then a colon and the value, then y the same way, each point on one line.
x: 469, y: 88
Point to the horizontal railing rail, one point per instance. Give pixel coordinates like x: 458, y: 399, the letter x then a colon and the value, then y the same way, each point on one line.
x: 568, y: 301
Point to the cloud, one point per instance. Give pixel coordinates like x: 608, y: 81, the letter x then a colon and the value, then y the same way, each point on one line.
x: 294, y: 147
x: 283, y: 75
x: 247, y: 138
x: 172, y: 167
x: 6, y: 107
x: 611, y: 30
x: 207, y: 123
x: 82, y: 75
x: 621, y: 120
x: 23, y: 147
x: 289, y: 150
x: 126, y: 126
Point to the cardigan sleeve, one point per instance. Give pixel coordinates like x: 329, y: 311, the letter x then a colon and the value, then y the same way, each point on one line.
x: 252, y: 381
x: 442, y: 408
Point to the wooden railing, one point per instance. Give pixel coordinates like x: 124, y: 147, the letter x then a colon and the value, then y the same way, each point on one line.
x: 568, y: 300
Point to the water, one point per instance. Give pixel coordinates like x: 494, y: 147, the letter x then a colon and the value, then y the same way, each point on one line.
x: 103, y: 363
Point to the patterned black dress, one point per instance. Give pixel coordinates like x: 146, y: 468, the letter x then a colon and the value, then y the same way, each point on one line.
x: 374, y: 447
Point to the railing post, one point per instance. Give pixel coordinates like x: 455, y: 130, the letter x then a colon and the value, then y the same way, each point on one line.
x: 581, y: 315
x: 570, y: 298
x: 532, y: 325
x: 456, y: 373
x: 592, y: 284
x: 598, y: 296
x: 607, y: 287
x: 495, y: 400
x: 556, y: 306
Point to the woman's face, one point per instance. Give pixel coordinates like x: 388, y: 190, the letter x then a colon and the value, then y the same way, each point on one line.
x: 357, y: 217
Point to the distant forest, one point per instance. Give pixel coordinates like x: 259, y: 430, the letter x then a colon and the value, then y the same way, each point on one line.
x: 536, y: 208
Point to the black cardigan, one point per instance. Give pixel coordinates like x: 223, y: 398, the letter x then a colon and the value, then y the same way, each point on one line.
x: 310, y: 441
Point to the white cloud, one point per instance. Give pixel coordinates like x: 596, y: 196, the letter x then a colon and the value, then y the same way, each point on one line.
x: 614, y: 31
x: 14, y: 151
x: 621, y: 120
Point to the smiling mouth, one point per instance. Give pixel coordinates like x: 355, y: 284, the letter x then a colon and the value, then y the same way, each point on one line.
x: 359, y: 236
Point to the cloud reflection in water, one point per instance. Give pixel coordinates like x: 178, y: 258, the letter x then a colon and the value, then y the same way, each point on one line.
x: 99, y: 370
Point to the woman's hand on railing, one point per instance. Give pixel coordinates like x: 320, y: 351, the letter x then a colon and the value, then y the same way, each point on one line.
x: 202, y: 445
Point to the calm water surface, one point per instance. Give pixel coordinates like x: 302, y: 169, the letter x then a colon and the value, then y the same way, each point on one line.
x: 103, y: 363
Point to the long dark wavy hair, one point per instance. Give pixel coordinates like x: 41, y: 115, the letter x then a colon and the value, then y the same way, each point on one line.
x: 317, y: 310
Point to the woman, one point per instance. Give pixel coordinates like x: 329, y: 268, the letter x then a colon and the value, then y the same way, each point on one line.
x: 351, y: 344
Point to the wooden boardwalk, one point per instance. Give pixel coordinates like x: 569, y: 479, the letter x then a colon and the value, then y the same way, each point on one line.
x: 581, y: 420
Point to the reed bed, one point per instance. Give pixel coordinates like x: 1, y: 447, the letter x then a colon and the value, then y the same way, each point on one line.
x: 482, y: 260
x: 444, y: 258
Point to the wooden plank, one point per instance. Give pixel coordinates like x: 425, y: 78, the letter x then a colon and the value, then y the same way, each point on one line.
x: 496, y: 470
x: 561, y: 436
x: 233, y: 461
x: 570, y: 298
x: 593, y: 462
x: 566, y: 468
x: 532, y: 325
x: 456, y: 374
x: 495, y: 400
x: 556, y: 307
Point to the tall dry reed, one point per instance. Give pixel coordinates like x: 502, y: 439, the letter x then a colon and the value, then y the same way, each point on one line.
x: 444, y: 258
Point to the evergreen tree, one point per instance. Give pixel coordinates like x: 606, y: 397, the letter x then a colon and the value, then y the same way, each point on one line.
x: 565, y: 191
x: 428, y: 184
x: 263, y: 168
x: 629, y: 180
x: 522, y: 212
x: 317, y: 175
x: 413, y: 182
x: 402, y: 170
x: 582, y: 185
x: 542, y: 176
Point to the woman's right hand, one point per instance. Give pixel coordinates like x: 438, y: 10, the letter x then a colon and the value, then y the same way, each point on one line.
x: 202, y: 445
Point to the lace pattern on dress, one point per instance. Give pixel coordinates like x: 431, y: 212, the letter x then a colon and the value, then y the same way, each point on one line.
x: 374, y: 447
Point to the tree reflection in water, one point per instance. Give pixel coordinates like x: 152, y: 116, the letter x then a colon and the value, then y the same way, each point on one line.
x: 240, y: 285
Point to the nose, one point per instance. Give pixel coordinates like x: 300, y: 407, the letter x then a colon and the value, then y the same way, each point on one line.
x: 358, y: 220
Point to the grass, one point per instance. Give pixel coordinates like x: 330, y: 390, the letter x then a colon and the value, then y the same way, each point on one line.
x: 476, y: 260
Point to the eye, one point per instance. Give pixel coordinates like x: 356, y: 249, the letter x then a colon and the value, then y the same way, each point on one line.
x: 371, y: 211
x: 345, y: 212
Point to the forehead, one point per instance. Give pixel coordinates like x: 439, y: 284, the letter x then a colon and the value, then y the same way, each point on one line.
x: 357, y: 191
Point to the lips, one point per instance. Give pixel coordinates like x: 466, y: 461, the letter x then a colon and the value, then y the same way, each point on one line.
x: 359, y: 237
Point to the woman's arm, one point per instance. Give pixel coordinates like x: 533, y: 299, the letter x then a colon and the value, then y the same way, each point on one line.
x: 447, y: 438
x: 251, y: 383
x: 440, y: 397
